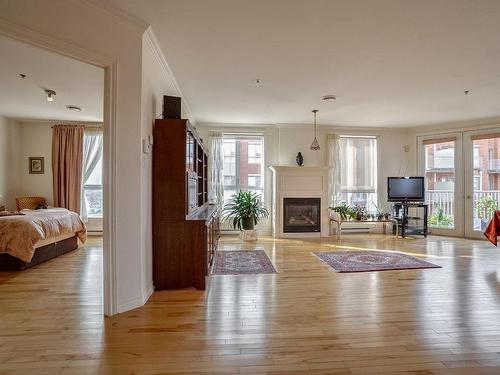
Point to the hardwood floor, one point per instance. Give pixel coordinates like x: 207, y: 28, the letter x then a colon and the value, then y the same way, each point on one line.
x: 306, y: 319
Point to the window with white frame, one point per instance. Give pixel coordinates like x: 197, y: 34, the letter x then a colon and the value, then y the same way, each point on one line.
x: 243, y: 164
x: 359, y: 171
x: 254, y: 152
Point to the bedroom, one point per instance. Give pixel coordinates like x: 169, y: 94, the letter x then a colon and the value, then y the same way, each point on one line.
x: 50, y: 108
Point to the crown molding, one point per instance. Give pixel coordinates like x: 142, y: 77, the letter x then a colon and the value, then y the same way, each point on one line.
x: 29, y: 36
x: 491, y: 123
x: 110, y: 8
x: 150, y: 38
x: 55, y: 122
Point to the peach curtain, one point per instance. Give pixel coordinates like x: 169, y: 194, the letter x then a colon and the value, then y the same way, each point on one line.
x: 67, y: 161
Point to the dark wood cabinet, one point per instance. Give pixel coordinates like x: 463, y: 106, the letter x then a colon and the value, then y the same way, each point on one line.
x: 185, y: 226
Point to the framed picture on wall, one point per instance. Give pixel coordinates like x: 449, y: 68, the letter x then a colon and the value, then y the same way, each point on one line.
x: 37, y: 165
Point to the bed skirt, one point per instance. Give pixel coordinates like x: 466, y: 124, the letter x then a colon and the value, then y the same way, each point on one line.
x: 42, y: 254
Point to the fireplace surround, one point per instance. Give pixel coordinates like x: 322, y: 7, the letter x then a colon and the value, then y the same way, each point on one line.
x: 291, y: 183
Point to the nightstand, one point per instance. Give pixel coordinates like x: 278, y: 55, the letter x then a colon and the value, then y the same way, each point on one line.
x: 2, y: 208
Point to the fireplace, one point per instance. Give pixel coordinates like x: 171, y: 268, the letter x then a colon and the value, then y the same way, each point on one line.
x: 301, y: 215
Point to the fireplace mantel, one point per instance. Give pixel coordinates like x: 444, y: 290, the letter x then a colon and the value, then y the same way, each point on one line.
x: 299, y: 182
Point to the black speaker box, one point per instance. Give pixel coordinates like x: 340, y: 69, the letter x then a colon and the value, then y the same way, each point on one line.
x: 171, y: 107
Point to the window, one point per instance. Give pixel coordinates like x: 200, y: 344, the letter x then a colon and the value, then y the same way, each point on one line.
x: 477, y: 183
x: 254, y: 181
x: 243, y: 166
x: 359, y: 171
x: 254, y: 152
x: 92, y: 175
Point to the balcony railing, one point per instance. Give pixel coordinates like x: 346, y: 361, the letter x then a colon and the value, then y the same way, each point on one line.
x: 441, y: 162
x: 93, y: 198
x: 445, y: 199
x: 494, y: 165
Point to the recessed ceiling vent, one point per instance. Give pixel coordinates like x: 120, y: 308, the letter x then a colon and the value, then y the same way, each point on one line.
x: 74, y: 108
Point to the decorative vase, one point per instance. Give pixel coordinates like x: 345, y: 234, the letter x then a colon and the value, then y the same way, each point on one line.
x: 299, y: 159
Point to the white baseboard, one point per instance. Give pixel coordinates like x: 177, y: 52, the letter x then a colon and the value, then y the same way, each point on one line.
x: 146, y: 294
x: 137, y: 301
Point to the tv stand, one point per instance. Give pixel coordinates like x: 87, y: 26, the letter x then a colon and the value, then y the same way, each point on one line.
x: 408, y: 224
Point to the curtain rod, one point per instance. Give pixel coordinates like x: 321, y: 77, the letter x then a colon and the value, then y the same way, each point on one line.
x: 85, y: 126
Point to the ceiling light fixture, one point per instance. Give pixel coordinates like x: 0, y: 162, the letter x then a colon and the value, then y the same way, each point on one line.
x: 22, y: 75
x: 50, y: 95
x: 315, y: 143
x: 74, y: 108
x: 329, y: 98
x: 258, y: 81
x: 466, y: 92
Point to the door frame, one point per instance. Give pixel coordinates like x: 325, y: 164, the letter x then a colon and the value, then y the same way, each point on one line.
x: 458, y: 230
x: 468, y: 163
x: 110, y: 66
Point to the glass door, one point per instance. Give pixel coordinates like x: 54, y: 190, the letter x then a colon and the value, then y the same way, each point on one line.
x: 482, y: 179
x: 440, y: 163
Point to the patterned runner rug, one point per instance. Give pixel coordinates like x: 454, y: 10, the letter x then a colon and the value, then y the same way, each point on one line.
x: 242, y: 262
x: 363, y: 261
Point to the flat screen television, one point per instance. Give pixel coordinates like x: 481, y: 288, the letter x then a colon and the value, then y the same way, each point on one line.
x: 405, y: 189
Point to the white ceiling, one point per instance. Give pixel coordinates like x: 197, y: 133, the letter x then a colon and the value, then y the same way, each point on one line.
x: 392, y: 63
x: 75, y: 83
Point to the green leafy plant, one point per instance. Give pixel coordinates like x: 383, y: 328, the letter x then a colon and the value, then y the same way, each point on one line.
x: 245, y: 209
x: 486, y: 207
x: 345, y: 211
x: 440, y: 219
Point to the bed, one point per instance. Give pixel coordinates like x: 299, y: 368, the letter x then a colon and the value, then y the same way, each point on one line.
x: 36, y: 236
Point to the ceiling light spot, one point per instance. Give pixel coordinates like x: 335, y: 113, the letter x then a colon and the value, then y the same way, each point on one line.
x: 50, y: 95
x: 258, y: 81
x: 329, y: 98
x: 466, y: 92
x: 22, y: 75
x: 75, y: 108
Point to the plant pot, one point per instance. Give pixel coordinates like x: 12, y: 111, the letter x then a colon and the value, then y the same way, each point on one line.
x: 248, y: 235
x: 248, y: 223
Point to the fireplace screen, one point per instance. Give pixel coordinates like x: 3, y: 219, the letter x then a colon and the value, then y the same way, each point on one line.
x: 301, y: 215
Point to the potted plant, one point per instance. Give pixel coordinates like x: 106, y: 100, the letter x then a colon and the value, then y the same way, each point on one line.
x: 486, y: 207
x: 344, y: 211
x: 360, y: 213
x: 380, y: 211
x: 245, y: 209
x: 440, y: 219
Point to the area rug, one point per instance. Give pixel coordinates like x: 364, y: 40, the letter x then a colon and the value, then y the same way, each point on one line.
x: 242, y: 262
x: 364, y: 261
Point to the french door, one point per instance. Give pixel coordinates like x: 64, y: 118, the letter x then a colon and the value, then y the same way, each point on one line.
x: 482, y: 180
x: 440, y: 162
x: 462, y: 177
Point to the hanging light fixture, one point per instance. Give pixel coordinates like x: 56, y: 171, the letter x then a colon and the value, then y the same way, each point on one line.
x: 315, y: 143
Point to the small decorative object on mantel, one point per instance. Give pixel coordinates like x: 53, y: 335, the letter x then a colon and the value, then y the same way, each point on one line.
x: 36, y: 165
x: 299, y: 159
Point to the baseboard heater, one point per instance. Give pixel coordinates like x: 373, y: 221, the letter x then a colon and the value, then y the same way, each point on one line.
x: 357, y: 230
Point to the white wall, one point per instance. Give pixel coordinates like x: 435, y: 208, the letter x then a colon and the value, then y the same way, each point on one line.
x: 36, y: 141
x: 10, y: 177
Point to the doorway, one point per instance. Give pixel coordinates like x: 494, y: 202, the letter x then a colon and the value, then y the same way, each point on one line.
x: 462, y: 180
x: 63, y: 69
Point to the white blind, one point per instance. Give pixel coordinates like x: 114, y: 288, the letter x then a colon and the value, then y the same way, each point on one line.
x: 358, y: 164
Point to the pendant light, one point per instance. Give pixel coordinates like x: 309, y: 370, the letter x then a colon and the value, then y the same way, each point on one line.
x: 315, y: 143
